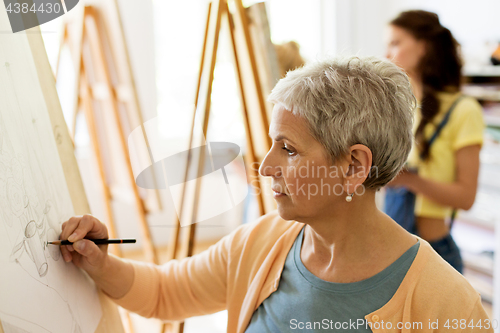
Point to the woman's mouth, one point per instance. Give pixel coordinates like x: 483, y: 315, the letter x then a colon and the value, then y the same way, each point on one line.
x: 278, y: 194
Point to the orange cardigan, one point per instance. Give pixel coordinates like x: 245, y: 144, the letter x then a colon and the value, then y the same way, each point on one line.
x: 241, y: 270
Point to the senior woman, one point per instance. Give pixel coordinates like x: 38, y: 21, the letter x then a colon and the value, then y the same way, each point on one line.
x: 327, y: 259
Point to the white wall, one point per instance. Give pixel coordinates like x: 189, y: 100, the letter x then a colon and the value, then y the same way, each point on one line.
x: 329, y: 27
x: 359, y: 26
x: 138, y: 26
x: 475, y: 24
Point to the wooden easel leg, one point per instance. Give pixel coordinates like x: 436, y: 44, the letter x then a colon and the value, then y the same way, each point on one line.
x: 209, y: 54
x: 174, y: 236
x: 84, y: 90
x: 77, y: 59
x: 64, y: 37
x: 209, y: 57
x: 138, y: 108
x: 242, y: 19
x: 96, y: 44
x: 215, y: 22
x: 127, y: 320
x: 74, y: 124
x: 173, y: 327
x: 251, y: 159
x: 90, y: 119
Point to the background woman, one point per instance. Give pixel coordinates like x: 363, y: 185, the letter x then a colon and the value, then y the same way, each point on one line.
x: 448, y: 169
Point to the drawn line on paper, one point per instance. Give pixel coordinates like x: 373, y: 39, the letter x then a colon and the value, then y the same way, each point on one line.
x: 23, y: 319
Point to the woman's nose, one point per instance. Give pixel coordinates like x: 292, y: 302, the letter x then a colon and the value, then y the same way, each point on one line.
x: 268, y: 168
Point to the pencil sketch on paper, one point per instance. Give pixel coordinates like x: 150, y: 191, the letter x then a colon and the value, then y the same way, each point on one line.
x: 8, y: 328
x: 39, y: 291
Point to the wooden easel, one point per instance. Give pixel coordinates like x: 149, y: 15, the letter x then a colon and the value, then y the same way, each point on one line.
x: 244, y: 52
x: 90, y: 59
x: 95, y: 83
x: 30, y: 47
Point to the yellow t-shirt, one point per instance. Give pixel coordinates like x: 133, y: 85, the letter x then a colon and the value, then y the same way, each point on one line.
x: 465, y: 127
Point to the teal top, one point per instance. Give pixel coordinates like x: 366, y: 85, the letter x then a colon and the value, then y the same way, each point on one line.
x: 306, y: 303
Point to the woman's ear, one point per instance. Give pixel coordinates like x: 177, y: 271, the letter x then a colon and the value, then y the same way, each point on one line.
x: 359, y: 167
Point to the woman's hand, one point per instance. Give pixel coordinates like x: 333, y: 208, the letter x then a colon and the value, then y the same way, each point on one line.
x: 111, y: 274
x: 85, y: 253
x: 404, y: 178
x: 459, y: 194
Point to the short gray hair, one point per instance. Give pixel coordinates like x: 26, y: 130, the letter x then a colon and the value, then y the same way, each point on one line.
x: 354, y: 100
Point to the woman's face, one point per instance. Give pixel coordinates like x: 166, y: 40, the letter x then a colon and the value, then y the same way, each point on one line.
x: 404, y: 50
x: 305, y: 184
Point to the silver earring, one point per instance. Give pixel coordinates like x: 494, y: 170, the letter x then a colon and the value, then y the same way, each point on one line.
x: 348, y: 198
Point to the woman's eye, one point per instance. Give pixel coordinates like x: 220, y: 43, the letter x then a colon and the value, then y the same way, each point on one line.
x: 290, y: 152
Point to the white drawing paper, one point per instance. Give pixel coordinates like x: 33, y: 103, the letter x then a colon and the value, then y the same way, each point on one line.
x: 39, y: 292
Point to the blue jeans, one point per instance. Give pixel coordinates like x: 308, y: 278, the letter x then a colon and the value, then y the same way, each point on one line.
x: 400, y: 206
x: 448, y: 249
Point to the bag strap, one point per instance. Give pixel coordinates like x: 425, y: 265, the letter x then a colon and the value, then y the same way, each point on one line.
x: 452, y: 218
x: 436, y: 134
x: 443, y: 122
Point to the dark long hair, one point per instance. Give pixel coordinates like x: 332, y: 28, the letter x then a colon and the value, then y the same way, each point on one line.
x: 440, y: 67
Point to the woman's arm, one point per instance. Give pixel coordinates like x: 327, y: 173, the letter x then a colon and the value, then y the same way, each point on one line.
x: 118, y: 278
x: 459, y: 194
x: 176, y: 290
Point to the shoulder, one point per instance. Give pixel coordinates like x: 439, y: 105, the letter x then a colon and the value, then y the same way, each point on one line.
x: 266, y: 229
x: 437, y: 274
x: 466, y: 104
x: 442, y: 290
x: 466, y: 123
x: 466, y: 110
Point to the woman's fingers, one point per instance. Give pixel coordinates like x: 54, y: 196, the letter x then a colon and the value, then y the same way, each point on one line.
x: 85, y: 225
x: 69, y: 226
x: 89, y: 250
x: 65, y: 253
x: 78, y: 227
